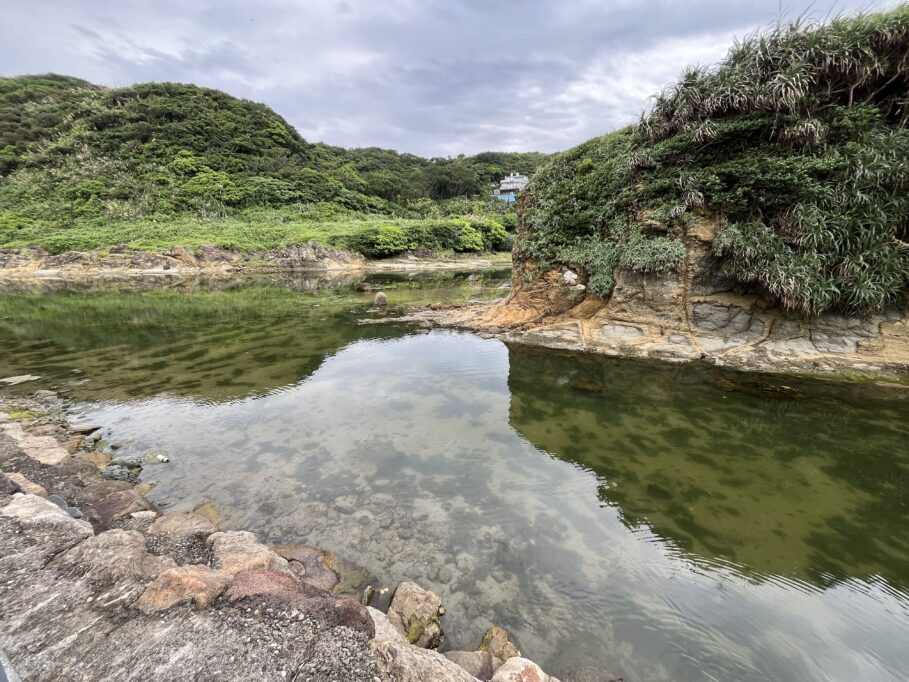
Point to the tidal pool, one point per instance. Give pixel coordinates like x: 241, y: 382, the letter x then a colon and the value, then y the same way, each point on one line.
x: 667, y: 522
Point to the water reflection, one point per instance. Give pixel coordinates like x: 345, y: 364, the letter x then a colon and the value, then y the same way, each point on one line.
x: 211, y: 338
x: 802, y: 479
x: 675, y: 523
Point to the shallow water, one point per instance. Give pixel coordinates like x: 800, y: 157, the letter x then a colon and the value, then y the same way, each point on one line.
x: 668, y: 522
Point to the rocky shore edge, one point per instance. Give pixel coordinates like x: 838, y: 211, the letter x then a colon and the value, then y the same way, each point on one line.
x: 34, y: 263
x: 98, y: 583
x: 875, y: 347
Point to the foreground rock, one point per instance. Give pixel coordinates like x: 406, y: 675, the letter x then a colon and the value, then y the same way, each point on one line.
x: 113, y: 556
x: 238, y: 551
x: 519, y: 669
x: 286, y: 590
x: 480, y: 664
x: 415, y: 612
x: 396, y: 658
x: 198, y: 584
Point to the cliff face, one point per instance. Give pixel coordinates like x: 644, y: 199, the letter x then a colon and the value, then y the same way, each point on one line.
x: 755, y: 216
x: 693, y: 312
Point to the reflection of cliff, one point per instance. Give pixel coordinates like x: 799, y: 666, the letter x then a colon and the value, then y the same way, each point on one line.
x: 781, y: 478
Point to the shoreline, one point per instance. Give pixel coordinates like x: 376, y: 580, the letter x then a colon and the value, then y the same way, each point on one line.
x: 485, y: 318
x: 121, y: 263
x: 150, y: 593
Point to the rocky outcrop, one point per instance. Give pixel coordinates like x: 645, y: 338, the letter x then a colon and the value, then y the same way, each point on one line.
x: 692, y: 313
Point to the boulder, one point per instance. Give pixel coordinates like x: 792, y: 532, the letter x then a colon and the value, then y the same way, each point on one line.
x: 384, y: 630
x: 381, y: 300
x: 26, y: 485
x: 406, y: 663
x: 496, y: 642
x: 480, y: 664
x: 113, y: 556
x: 364, y: 286
x: 119, y: 504
x: 65, y: 506
x: 237, y: 551
x: 8, y: 486
x: 47, y: 523
x: 182, y: 525
x: 285, y: 589
x: 118, y: 472
x: 517, y: 669
x: 199, y: 584
x: 415, y: 612
x: 45, y: 449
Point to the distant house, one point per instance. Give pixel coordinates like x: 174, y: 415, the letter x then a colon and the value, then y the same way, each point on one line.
x: 510, y: 187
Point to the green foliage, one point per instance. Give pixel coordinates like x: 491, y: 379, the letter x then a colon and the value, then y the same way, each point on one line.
x: 79, y: 163
x: 796, y: 144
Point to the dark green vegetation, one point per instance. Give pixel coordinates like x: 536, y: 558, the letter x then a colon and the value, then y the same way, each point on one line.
x: 797, y: 144
x: 159, y: 164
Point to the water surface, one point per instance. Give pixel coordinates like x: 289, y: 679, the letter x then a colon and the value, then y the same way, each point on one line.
x: 669, y: 522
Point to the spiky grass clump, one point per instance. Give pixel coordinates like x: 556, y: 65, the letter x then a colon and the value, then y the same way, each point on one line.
x: 797, y: 143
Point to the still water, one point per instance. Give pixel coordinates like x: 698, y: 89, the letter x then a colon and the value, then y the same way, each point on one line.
x: 668, y: 522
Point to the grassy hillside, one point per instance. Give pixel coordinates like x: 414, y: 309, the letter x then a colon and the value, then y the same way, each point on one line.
x: 797, y: 143
x: 83, y: 166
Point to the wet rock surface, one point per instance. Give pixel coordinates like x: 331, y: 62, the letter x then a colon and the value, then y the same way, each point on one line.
x: 415, y: 613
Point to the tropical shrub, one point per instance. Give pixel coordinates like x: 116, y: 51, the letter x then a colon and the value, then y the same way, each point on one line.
x: 796, y: 144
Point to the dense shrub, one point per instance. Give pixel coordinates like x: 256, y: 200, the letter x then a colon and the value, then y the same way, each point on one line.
x: 78, y: 156
x: 797, y: 144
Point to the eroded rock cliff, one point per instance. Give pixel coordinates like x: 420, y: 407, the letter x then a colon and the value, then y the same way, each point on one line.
x: 693, y: 312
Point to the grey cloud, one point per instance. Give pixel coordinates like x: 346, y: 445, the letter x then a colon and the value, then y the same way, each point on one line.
x: 434, y: 77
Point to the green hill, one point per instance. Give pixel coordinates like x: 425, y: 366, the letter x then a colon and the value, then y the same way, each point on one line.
x: 796, y: 145
x: 82, y: 166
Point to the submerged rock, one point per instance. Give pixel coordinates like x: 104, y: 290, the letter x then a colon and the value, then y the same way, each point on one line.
x: 496, y: 642
x: 415, y: 613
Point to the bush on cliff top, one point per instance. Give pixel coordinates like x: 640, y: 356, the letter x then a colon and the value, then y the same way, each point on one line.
x: 797, y: 143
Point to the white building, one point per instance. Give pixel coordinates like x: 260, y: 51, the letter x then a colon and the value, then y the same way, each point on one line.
x: 510, y: 186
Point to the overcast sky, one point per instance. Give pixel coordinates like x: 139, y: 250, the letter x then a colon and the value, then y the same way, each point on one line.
x: 433, y: 77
